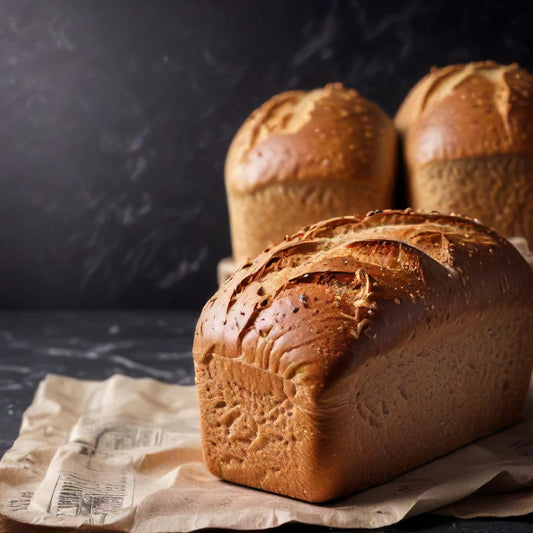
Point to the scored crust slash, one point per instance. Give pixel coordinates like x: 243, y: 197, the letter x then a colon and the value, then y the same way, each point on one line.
x: 412, y: 339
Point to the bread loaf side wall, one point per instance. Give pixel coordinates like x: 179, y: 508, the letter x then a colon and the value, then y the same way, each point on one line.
x: 255, y: 430
x: 265, y: 216
x: 497, y: 190
x: 438, y: 392
x: 447, y: 386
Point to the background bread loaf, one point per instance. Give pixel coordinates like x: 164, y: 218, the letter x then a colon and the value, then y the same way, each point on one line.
x: 304, y: 157
x: 361, y: 348
x: 468, y: 144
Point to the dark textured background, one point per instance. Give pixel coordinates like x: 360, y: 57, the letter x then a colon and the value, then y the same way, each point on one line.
x: 116, y: 116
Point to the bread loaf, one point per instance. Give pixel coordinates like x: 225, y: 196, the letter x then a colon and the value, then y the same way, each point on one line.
x: 304, y: 157
x: 468, y: 143
x: 361, y: 348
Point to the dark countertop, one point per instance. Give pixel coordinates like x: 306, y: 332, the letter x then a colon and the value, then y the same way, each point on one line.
x: 96, y: 345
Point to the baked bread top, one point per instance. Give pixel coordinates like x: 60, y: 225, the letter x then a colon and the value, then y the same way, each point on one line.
x: 317, y: 305
x: 468, y: 110
x: 325, y: 134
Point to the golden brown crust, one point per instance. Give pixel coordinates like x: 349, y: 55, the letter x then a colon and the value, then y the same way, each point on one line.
x: 462, y: 111
x: 331, y: 151
x: 360, y: 286
x: 318, y: 135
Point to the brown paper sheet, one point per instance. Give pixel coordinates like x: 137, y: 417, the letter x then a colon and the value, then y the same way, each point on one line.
x: 124, y: 454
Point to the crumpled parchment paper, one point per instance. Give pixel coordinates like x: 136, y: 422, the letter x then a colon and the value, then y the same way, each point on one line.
x: 124, y: 454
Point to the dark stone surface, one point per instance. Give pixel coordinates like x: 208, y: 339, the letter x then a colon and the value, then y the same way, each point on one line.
x: 116, y: 117
x: 96, y: 345
x: 89, y: 345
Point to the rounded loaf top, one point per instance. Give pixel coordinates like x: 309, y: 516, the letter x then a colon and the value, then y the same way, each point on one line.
x: 345, y: 289
x: 468, y: 110
x: 329, y: 133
